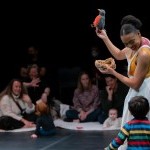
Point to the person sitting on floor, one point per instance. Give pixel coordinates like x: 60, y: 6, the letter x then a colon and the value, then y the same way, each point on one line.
x: 36, y: 91
x: 112, y: 96
x: 44, y: 124
x: 17, y: 109
x: 112, y: 121
x: 85, y: 101
x: 47, y: 100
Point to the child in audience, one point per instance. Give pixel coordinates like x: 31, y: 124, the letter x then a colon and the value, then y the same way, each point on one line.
x: 40, y: 102
x: 45, y: 98
x: 112, y: 121
x: 47, y: 90
x: 136, y: 131
x: 44, y: 124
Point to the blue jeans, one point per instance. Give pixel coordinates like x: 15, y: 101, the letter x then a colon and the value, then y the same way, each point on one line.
x: 46, y: 133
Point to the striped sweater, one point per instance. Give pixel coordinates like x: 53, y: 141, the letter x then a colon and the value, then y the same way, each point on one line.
x: 137, y: 134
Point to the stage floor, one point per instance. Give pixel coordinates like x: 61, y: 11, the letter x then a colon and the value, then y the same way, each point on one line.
x: 64, y: 139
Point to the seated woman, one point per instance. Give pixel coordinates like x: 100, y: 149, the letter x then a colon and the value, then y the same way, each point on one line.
x: 85, y: 101
x: 14, y: 103
x: 112, y: 96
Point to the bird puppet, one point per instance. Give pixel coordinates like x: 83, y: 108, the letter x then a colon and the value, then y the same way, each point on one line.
x: 99, y: 20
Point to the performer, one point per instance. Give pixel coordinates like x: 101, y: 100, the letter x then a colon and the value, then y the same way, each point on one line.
x: 137, y: 53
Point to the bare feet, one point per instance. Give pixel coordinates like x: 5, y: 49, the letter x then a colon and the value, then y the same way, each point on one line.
x: 34, y: 136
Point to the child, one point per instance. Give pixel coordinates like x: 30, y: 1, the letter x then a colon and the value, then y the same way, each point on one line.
x: 112, y: 121
x: 44, y: 98
x: 44, y: 123
x: 47, y: 90
x: 136, y: 131
x: 53, y: 103
x: 40, y: 102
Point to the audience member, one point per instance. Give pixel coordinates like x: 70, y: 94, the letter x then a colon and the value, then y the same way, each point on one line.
x: 112, y: 122
x: 85, y: 101
x: 112, y: 96
x: 98, y: 76
x: 46, y: 72
x: 35, y: 92
x: 14, y: 104
x: 44, y: 124
x: 32, y: 56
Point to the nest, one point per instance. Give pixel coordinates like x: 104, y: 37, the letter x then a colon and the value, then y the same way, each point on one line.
x: 102, y: 64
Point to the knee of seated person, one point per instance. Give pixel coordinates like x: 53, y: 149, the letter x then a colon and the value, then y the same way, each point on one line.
x: 101, y: 119
x: 68, y: 113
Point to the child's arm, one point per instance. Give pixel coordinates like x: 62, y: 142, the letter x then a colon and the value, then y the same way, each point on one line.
x: 119, y: 140
x: 106, y: 123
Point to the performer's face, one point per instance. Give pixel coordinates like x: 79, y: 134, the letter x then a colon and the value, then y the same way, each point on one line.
x: 132, y: 40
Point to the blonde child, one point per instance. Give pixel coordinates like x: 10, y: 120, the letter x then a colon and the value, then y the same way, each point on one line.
x: 44, y: 124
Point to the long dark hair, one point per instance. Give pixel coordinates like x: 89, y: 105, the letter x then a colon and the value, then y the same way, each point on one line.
x: 79, y: 84
x: 8, y: 89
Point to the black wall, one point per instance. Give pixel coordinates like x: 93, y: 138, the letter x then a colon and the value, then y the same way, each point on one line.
x: 61, y: 29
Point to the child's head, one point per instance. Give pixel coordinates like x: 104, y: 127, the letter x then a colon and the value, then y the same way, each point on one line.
x: 47, y: 91
x: 139, y: 107
x: 113, y: 113
x: 43, y: 108
x: 44, y: 97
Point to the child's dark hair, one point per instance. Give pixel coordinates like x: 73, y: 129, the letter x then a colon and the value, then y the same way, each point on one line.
x: 139, y: 107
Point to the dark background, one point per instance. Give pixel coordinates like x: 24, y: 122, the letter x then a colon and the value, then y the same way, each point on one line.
x: 62, y: 30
